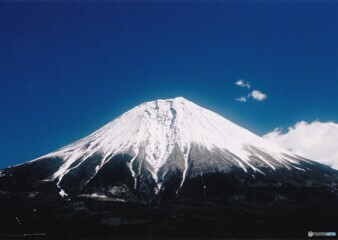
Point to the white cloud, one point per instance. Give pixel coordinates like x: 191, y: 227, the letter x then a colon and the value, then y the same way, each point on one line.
x: 258, y: 95
x: 241, y: 99
x: 317, y: 141
x: 255, y: 94
x: 241, y: 83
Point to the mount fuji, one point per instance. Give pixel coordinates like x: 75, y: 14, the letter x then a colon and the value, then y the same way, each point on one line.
x: 171, y: 152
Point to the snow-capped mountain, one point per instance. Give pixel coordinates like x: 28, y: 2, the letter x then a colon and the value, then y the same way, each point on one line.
x: 169, y: 169
x: 156, y: 147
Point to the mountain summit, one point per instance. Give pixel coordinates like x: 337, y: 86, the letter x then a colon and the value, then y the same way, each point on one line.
x: 169, y: 169
x: 154, y: 147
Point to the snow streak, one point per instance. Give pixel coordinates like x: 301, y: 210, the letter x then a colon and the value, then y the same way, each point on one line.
x: 160, y: 126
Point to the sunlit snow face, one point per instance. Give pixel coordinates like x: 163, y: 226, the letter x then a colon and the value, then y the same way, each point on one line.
x: 161, y: 125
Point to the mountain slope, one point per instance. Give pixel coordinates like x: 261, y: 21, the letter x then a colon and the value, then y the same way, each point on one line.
x: 156, y: 143
x: 169, y: 169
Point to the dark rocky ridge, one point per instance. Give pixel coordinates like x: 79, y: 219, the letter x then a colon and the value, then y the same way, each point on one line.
x: 230, y: 204
x: 37, y: 175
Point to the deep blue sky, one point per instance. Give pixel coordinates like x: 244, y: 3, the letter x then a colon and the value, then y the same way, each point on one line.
x: 66, y: 69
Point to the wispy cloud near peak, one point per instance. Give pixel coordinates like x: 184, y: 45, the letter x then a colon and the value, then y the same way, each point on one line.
x: 258, y: 95
x: 241, y: 83
x: 241, y: 99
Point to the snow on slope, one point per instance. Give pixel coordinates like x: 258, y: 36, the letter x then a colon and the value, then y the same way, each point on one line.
x: 159, y: 125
